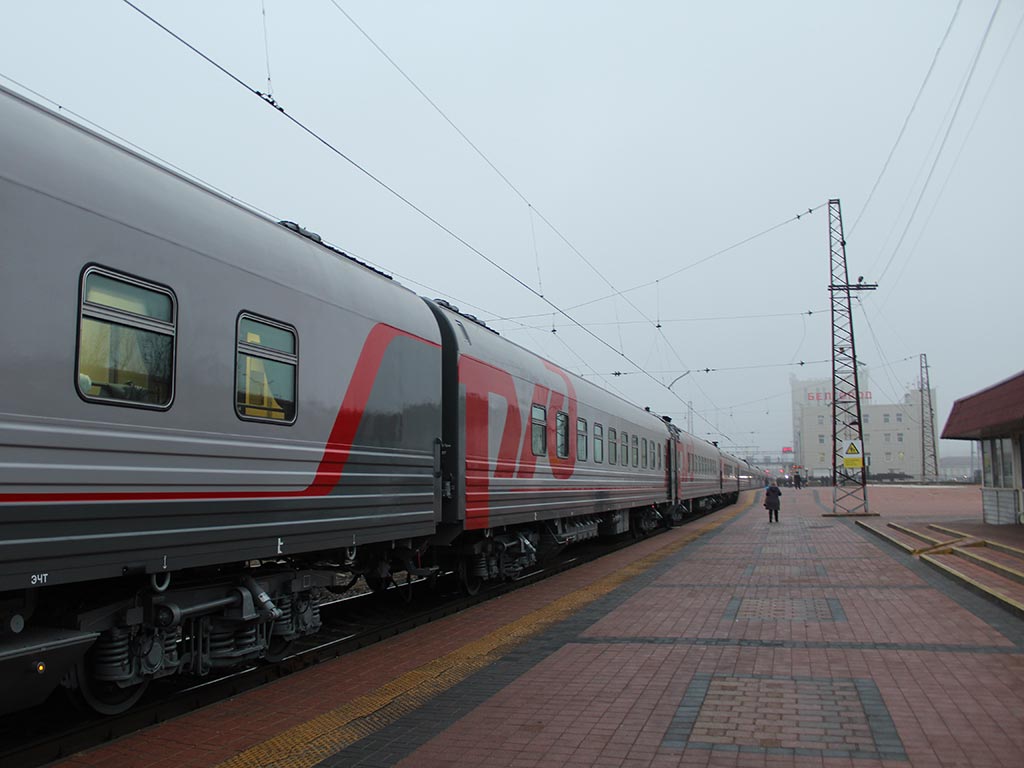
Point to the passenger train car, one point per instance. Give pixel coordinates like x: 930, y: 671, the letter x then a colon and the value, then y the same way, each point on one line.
x: 209, y: 419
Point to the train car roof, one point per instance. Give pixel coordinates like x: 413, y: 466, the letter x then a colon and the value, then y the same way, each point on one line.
x: 59, y: 156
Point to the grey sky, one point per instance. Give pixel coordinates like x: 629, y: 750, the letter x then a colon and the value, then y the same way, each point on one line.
x: 651, y: 134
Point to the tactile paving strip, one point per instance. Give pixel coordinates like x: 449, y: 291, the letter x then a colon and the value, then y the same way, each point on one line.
x: 828, y: 717
x: 784, y: 609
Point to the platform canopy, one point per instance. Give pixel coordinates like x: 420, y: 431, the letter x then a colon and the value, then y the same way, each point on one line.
x: 994, y: 412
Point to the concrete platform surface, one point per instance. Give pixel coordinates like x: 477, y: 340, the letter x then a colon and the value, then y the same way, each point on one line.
x: 729, y: 642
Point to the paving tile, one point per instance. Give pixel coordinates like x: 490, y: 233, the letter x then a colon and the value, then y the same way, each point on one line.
x: 806, y: 643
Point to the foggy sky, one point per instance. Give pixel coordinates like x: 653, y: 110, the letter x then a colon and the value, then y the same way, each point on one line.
x: 651, y: 135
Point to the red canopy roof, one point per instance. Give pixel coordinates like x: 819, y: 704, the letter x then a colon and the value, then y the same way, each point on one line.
x: 994, y: 412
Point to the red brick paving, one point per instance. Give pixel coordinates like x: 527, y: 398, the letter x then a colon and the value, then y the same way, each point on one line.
x: 771, y: 622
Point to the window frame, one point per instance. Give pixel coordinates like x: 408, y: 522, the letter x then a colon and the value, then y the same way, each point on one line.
x: 127, y: 319
x: 598, y: 443
x: 613, y: 453
x: 635, y: 445
x: 582, y: 438
x: 562, y: 433
x: 624, y: 446
x: 534, y: 424
x: 266, y: 353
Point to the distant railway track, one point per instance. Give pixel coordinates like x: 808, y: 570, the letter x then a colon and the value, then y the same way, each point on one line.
x: 58, y: 730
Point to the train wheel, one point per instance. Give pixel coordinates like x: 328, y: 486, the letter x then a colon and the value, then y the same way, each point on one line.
x: 469, y: 583
x: 377, y: 583
x: 279, y: 649
x: 406, y: 590
x: 105, y: 697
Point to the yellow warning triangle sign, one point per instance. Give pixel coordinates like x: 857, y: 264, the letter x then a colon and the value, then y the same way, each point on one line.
x: 853, y: 450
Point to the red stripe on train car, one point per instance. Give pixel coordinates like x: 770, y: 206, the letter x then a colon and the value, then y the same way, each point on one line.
x: 336, y: 450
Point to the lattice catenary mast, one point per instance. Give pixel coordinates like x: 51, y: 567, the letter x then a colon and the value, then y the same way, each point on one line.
x: 849, y: 471
x: 929, y: 456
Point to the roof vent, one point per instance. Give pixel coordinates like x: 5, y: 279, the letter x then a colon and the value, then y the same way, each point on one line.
x: 447, y: 305
x: 299, y: 230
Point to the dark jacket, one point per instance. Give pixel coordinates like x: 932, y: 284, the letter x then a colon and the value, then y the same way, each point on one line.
x: 771, y: 497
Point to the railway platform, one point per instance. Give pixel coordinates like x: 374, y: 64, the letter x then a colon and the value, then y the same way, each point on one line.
x: 727, y: 642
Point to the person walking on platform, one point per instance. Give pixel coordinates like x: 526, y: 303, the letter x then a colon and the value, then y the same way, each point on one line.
x: 771, y: 501
x: 797, y: 480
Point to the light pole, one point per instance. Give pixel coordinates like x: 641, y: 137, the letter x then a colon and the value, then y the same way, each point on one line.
x: 689, y: 403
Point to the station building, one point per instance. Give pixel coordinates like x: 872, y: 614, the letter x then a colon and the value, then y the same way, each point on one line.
x: 995, y: 417
x: 893, y: 433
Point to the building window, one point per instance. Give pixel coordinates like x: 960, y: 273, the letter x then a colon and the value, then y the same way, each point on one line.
x: 126, y: 340
x: 581, y: 439
x: 888, y: 456
x: 539, y: 430
x: 899, y: 437
x: 265, y: 370
x: 613, y: 457
x: 888, y: 437
x: 821, y: 420
x: 821, y: 439
x: 866, y: 418
x: 562, y: 434
x: 885, y: 418
x: 598, y: 443
x: 899, y: 418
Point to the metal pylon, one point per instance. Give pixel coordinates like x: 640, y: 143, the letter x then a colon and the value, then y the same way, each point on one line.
x: 849, y: 470
x: 929, y: 456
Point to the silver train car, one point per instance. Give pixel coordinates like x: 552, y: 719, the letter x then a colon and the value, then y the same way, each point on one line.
x: 211, y: 419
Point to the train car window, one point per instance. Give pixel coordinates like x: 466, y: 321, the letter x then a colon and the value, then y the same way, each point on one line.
x: 643, y: 463
x: 598, y: 443
x: 613, y: 456
x: 539, y: 430
x: 624, y: 449
x: 636, y: 451
x: 126, y: 340
x: 581, y: 439
x: 562, y: 434
x: 266, y: 369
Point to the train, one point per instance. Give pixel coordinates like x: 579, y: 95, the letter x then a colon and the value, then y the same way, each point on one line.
x: 211, y: 419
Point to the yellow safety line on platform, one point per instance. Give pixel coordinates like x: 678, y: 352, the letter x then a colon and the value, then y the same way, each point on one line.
x: 307, y: 744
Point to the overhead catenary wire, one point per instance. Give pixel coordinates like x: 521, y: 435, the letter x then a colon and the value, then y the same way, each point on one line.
x: 483, y: 156
x: 104, y: 131
x: 906, y: 120
x: 384, y: 185
x: 945, y: 137
x: 960, y: 151
x: 709, y: 257
x: 798, y: 364
x: 669, y: 320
